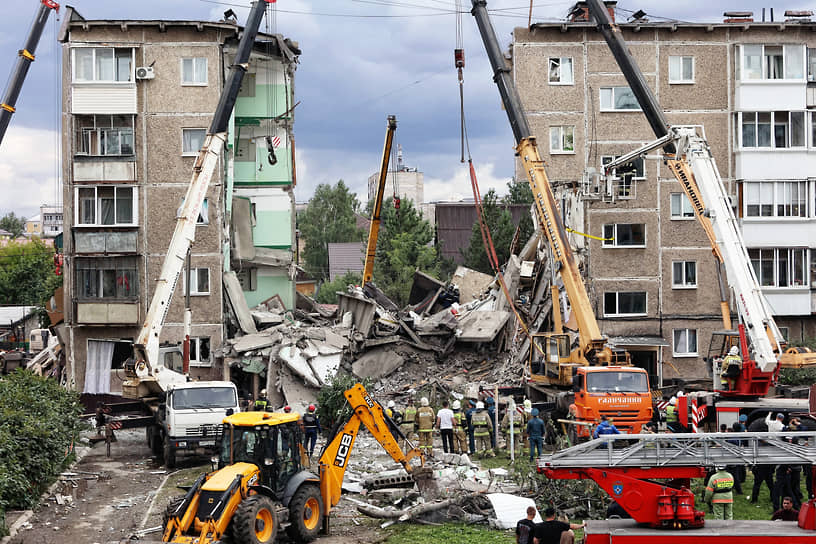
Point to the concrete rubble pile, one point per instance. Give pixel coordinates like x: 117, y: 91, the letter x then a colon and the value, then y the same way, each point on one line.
x: 447, y: 337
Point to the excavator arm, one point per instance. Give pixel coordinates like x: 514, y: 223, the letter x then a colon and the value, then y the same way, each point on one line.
x: 334, y: 460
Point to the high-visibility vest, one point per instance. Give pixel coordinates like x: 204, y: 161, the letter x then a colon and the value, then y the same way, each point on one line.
x: 410, y: 414
x: 458, y: 420
x: 671, y: 414
x: 481, y: 424
x: 425, y: 418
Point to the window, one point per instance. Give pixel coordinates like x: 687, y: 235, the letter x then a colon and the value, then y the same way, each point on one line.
x: 767, y: 62
x: 623, y: 176
x: 248, y: 278
x: 780, y: 267
x: 200, y: 351
x: 811, y: 64
x: 561, y: 139
x: 106, y: 205
x: 618, y: 99
x: 194, y: 71
x: 681, y: 206
x: 199, y: 281
x: 681, y: 69
x: 98, y: 135
x: 191, y: 140
x: 560, y: 71
x: 203, y: 214
x: 778, y: 129
x: 110, y: 278
x: 684, y: 275
x: 618, y: 303
x: 624, y: 235
x: 685, y: 342
x: 103, y: 64
x: 776, y: 199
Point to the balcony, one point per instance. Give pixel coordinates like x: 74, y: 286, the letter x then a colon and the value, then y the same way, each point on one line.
x: 107, y: 313
x: 90, y: 242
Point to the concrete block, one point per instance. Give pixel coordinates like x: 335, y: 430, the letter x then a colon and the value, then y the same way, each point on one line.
x: 377, y: 363
x: 293, y: 357
x: 482, y: 326
x: 266, y: 319
x: 471, y: 283
x: 251, y: 342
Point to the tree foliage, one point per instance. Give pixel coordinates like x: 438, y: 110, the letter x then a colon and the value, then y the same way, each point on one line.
x: 27, y: 273
x: 328, y: 218
x: 328, y: 290
x: 500, y: 223
x: 39, y: 425
x: 519, y: 192
x: 13, y: 224
x: 403, y: 246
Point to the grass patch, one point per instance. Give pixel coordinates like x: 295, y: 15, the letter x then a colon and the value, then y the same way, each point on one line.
x: 451, y: 532
x: 181, y: 477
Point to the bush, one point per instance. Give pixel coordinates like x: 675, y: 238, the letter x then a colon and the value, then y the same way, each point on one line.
x: 332, y: 407
x: 327, y: 294
x: 39, y: 423
x: 797, y: 376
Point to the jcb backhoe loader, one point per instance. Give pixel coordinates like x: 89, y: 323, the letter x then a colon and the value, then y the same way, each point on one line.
x: 262, y: 484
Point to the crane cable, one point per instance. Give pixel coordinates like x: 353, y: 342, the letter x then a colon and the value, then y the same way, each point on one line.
x: 459, y: 63
x: 272, y: 140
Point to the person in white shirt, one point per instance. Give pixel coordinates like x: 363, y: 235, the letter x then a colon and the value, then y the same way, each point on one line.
x: 444, y: 422
x: 776, y: 425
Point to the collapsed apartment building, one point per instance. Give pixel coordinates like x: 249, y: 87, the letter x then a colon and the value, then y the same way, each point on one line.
x: 137, y: 98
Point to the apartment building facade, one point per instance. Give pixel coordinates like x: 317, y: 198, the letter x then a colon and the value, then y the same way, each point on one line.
x: 649, y: 268
x: 138, y: 98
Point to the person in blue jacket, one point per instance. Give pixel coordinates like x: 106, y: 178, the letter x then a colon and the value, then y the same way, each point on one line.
x: 468, y: 417
x: 535, y: 433
x: 604, y: 427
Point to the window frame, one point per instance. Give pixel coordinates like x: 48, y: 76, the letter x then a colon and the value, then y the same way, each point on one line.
x: 99, y: 266
x: 694, y: 353
x: 683, y: 201
x: 682, y: 81
x: 95, y: 81
x: 98, y: 131
x: 758, y: 257
x: 194, y: 83
x: 561, y: 139
x: 613, y: 245
x: 754, y: 197
x: 560, y: 68
x: 684, y: 284
x: 613, y: 90
x: 97, y: 210
x: 194, y: 281
x: 617, y: 312
x: 192, y: 153
x: 763, y: 63
x: 773, y: 123
x: 622, y: 182
x: 197, y: 341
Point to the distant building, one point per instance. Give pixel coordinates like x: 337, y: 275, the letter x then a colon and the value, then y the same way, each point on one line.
x: 33, y: 226
x: 346, y: 257
x: 409, y: 182
x: 51, y: 220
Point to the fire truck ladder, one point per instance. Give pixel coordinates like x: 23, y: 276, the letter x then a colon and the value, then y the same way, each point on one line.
x: 628, y: 467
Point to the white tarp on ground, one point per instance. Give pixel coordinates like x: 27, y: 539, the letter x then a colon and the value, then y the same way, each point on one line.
x: 510, y: 509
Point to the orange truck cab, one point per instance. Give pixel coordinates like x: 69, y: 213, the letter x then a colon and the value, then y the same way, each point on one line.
x: 621, y: 393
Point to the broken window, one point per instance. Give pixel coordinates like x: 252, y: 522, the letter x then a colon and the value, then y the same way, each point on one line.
x: 617, y: 303
x: 110, y: 278
x: 681, y: 69
x: 191, y: 140
x: 103, y: 64
x: 562, y: 139
x: 560, y: 72
x: 248, y: 278
x: 685, y: 342
x: 624, y: 235
x: 194, y: 71
x: 203, y: 214
x: 681, y: 206
x: 200, y: 351
x: 104, y: 135
x: 106, y: 205
x: 618, y: 99
x: 684, y: 274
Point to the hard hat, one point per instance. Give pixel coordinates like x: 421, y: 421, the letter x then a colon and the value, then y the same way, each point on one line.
x: 681, y: 394
x: 311, y: 408
x: 263, y: 392
x: 743, y: 418
x: 480, y: 405
x: 287, y: 409
x: 457, y: 405
x: 535, y: 412
x: 733, y: 351
x: 424, y: 401
x: 391, y: 404
x: 719, y: 467
x: 528, y: 405
x: 673, y: 401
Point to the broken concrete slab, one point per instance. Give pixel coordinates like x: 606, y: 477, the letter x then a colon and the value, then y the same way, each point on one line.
x: 376, y: 363
x: 266, y: 319
x: 472, y: 284
x: 295, y: 393
x: 442, y: 321
x: 243, y: 247
x: 326, y: 366
x: 508, y: 508
x: 482, y: 326
x: 293, y: 357
x: 362, y: 311
x: 251, y: 342
x: 424, y: 286
x: 235, y: 297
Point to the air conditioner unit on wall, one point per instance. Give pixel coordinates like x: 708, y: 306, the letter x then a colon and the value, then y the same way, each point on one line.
x: 145, y: 72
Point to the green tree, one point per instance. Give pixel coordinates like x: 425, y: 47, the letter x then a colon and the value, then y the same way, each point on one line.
x: 500, y: 223
x: 328, y: 290
x: 13, y: 224
x: 329, y: 217
x: 519, y: 192
x: 403, y: 246
x: 27, y: 273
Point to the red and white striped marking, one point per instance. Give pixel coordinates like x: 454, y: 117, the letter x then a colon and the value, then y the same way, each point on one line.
x: 695, y: 416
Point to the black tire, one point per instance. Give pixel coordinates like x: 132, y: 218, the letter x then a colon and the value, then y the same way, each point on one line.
x: 305, y: 514
x: 169, y: 454
x: 255, y: 521
x: 170, y: 510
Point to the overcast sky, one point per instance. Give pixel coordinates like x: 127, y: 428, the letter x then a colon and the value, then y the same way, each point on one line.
x: 362, y: 60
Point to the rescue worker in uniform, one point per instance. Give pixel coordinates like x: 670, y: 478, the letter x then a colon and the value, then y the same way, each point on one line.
x: 392, y: 412
x: 718, y: 493
x: 425, y: 419
x: 731, y: 369
x: 482, y: 429
x: 519, y: 423
x: 672, y: 417
x: 311, y: 428
x: 471, y: 409
x: 407, y: 425
x: 460, y: 441
x: 535, y: 434
x: 261, y: 402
